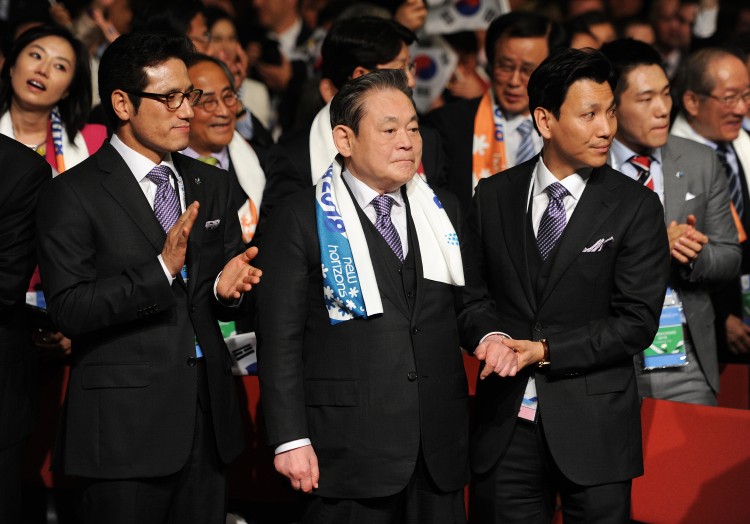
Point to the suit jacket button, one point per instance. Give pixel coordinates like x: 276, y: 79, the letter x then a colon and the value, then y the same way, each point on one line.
x: 192, y: 309
x: 415, y: 331
x: 412, y: 376
x: 409, y: 295
x: 537, y: 327
x: 191, y: 361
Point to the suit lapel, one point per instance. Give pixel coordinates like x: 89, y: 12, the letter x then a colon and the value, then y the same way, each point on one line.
x: 513, y: 206
x: 122, y: 186
x: 193, y: 191
x: 594, y: 208
x: 675, y: 188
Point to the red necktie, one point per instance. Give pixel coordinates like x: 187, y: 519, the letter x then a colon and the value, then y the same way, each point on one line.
x: 642, y: 164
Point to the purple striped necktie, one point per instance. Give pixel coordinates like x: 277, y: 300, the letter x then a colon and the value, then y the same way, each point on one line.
x: 166, y: 202
x: 553, y: 220
x: 384, y: 224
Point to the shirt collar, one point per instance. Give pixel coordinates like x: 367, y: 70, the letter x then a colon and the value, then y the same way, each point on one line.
x: 364, y: 194
x: 575, y: 183
x: 222, y: 156
x: 139, y: 165
x: 621, y: 153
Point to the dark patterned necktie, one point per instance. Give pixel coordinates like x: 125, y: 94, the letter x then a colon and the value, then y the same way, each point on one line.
x: 553, y: 220
x: 166, y: 202
x: 733, y: 178
x: 642, y: 164
x: 384, y: 224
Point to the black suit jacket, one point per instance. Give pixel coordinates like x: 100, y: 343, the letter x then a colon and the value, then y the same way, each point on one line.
x: 288, y: 165
x: 24, y: 172
x: 131, y: 400
x: 369, y: 393
x: 597, y: 310
x: 455, y: 123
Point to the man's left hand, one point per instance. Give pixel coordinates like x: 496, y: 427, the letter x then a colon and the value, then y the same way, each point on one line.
x: 238, y: 276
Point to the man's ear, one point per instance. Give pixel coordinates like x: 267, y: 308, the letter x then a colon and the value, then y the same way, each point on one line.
x: 690, y: 101
x: 359, y: 71
x: 342, y: 138
x: 543, y: 119
x: 327, y: 89
x: 122, y: 105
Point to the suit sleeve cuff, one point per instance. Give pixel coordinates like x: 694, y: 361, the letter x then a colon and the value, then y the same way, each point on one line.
x: 294, y: 444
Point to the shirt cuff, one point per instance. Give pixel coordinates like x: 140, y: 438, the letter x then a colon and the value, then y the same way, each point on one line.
x: 500, y: 333
x: 166, y: 271
x: 294, y: 444
x: 231, y: 303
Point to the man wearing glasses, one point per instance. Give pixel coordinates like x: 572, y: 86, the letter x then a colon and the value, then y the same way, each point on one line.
x: 214, y: 140
x: 714, y: 91
x: 486, y: 135
x: 141, y: 254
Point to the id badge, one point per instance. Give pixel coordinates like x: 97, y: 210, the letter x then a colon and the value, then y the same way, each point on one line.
x: 668, y: 348
x: 745, y: 280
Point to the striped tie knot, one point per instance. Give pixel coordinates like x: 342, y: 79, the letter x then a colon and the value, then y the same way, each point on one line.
x: 557, y: 191
x: 382, y: 205
x: 553, y: 220
x: 159, y: 175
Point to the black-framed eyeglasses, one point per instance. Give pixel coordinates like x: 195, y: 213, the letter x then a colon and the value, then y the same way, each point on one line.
x: 731, y: 100
x: 172, y: 100
x: 210, y: 104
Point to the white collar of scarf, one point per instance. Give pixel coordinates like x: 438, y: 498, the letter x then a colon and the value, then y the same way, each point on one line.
x: 73, y: 155
x: 437, y: 239
x: 322, y: 148
x: 247, y: 166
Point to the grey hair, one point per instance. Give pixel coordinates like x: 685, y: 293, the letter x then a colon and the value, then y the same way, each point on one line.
x: 347, y: 107
x: 694, y: 76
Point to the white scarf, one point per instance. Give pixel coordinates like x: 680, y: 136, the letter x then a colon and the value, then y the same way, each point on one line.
x: 322, y: 148
x: 437, y: 239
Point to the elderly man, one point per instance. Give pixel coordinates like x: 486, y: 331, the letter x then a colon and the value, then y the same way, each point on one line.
x: 714, y: 90
x: 576, y: 257
x: 214, y: 140
x: 140, y: 254
x: 362, y: 382
x: 692, y: 187
x: 486, y: 135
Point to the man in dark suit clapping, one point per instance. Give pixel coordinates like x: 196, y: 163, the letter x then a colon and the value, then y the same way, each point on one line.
x: 140, y: 253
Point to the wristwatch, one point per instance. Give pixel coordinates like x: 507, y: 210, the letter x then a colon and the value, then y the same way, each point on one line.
x: 544, y: 363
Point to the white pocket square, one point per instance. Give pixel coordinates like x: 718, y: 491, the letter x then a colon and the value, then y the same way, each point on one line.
x: 598, y: 245
x: 213, y: 224
x: 689, y: 196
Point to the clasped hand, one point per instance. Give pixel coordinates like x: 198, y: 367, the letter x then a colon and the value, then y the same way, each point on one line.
x: 506, y: 356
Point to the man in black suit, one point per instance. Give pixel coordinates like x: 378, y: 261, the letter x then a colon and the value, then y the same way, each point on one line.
x: 576, y: 256
x: 23, y: 174
x: 351, y: 48
x: 362, y: 381
x: 486, y: 135
x: 134, y: 244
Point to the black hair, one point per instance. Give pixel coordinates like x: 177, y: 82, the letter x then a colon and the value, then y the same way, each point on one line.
x: 124, y: 62
x: 625, y: 54
x: 167, y: 17
x: 582, y: 24
x: 549, y: 83
x: 75, y: 107
x: 361, y: 42
x: 347, y: 106
x: 520, y: 24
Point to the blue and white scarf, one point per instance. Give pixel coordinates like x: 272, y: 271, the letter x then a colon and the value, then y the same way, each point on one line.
x: 349, y: 286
